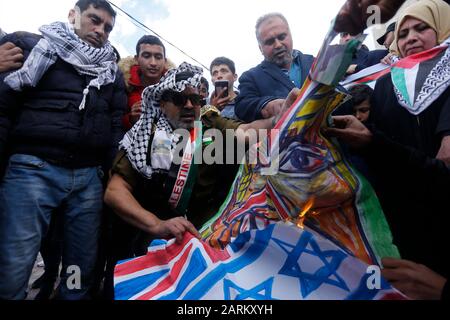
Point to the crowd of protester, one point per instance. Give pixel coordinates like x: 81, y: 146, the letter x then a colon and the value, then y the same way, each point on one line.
x: 86, y: 173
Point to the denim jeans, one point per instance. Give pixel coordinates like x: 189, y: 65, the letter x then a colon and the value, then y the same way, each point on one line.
x: 31, y: 191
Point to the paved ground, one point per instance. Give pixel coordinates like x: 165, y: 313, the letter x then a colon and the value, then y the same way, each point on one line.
x: 38, y: 270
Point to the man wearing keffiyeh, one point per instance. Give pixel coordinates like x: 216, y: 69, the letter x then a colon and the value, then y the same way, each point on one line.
x: 60, y: 124
x: 149, y: 190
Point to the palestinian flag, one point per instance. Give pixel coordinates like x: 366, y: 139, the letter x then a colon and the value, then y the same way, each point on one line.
x: 182, y: 177
x: 368, y: 76
x: 415, y: 96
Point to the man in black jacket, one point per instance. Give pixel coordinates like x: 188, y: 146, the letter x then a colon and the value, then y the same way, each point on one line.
x: 263, y: 89
x: 60, y: 124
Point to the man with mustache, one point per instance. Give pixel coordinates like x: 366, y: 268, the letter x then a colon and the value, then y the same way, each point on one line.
x: 264, y: 88
x: 60, y: 124
x: 157, y: 197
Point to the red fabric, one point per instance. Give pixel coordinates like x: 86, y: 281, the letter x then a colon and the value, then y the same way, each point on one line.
x: 134, y: 96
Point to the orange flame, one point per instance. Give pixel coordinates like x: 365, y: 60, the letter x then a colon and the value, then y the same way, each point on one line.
x: 304, y: 212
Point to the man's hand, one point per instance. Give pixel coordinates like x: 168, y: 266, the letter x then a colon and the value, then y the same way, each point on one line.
x: 414, y: 280
x: 352, y: 69
x: 219, y: 101
x: 272, y: 109
x: 353, y: 17
x: 11, y: 57
x: 350, y: 130
x: 173, y: 228
x: 136, y: 112
x: 388, y: 59
x: 444, y: 151
x: 290, y: 100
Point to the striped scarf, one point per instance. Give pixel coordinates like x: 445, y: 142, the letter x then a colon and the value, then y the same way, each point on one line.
x: 59, y: 40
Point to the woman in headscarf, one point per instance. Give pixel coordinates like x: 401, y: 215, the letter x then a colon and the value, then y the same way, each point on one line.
x: 418, y: 92
x: 408, y: 149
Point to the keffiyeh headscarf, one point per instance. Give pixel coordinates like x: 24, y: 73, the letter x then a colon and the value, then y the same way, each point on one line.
x: 60, y: 40
x: 420, y: 79
x: 154, y: 123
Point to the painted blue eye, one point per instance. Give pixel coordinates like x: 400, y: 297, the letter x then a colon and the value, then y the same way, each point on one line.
x: 304, y: 159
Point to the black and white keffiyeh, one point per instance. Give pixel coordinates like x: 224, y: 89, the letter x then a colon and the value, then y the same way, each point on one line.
x: 154, y: 122
x: 60, y: 40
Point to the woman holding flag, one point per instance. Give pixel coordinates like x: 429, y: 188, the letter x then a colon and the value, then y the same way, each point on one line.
x: 408, y: 148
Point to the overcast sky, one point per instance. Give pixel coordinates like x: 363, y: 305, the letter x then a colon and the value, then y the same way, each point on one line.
x: 205, y: 29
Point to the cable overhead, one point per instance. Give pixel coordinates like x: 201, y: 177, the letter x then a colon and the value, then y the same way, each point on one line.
x: 140, y: 24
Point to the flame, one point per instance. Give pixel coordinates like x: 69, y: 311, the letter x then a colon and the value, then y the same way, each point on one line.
x: 304, y: 212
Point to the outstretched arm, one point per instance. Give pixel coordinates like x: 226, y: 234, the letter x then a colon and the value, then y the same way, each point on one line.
x: 352, y: 132
x: 120, y: 198
x: 250, y: 102
x: 244, y: 129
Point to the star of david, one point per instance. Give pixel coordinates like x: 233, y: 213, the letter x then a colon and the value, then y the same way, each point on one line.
x: 309, y: 282
x: 262, y: 291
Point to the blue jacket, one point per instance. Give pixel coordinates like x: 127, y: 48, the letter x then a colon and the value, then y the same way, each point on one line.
x: 46, y: 122
x: 265, y: 83
x: 371, y: 58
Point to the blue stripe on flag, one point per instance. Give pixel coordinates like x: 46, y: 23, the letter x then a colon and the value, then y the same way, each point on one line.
x: 256, y: 249
x: 240, y: 242
x: 125, y: 261
x: 127, y: 289
x: 157, y: 243
x: 197, y: 265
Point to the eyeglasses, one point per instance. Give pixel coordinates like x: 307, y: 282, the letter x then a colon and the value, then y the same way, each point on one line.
x: 271, y: 41
x: 180, y: 100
